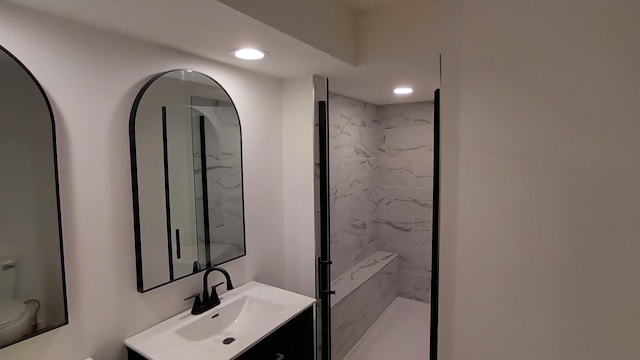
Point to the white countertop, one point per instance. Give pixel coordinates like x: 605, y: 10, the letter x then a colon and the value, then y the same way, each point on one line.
x: 161, y: 341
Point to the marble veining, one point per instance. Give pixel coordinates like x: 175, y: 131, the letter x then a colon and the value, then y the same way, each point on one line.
x: 340, y: 266
x: 415, y: 286
x: 358, y: 274
x: 223, y: 177
x: 233, y: 207
x: 340, y: 211
x: 391, y: 226
x: 349, y: 175
x: 394, y: 172
x: 381, y: 187
x: 423, y: 114
x: 223, y: 167
x: 414, y: 257
x: 349, y: 240
x: 368, y: 142
x: 409, y: 142
x: 413, y: 202
x: 355, y: 142
x: 403, y: 220
x: 396, y: 116
x: 365, y: 203
x: 340, y: 141
x: 352, y: 315
x: 216, y: 210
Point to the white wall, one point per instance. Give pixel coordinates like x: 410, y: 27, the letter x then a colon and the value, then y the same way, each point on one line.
x: 92, y: 78
x: 540, y: 181
x: 401, y: 31
x: 297, y: 151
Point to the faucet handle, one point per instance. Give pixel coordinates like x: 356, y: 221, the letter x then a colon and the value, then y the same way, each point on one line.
x: 197, y: 304
x: 214, y: 298
x: 215, y: 287
x: 195, y: 296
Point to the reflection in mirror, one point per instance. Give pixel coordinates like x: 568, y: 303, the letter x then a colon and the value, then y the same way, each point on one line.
x: 32, y: 287
x: 186, y: 219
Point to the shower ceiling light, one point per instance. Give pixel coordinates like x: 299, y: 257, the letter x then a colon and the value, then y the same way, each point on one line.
x: 402, y: 90
x: 248, y: 54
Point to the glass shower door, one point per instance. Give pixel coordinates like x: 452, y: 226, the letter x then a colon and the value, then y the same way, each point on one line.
x: 377, y: 176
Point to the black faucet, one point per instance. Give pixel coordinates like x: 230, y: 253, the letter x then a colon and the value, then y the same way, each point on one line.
x: 209, y: 301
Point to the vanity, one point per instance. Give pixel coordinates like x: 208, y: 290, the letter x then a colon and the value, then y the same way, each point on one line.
x: 188, y: 202
x: 253, y: 321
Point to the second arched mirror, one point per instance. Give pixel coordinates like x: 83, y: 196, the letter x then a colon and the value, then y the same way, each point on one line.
x: 186, y: 164
x: 32, y: 282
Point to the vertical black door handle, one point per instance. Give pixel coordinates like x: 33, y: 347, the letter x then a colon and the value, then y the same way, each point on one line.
x: 167, y: 195
x: 205, y: 191
x: 178, y: 248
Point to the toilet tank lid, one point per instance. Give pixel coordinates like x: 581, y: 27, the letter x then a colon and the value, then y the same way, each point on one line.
x: 10, y: 311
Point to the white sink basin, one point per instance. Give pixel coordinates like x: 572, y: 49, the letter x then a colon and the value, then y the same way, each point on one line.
x: 245, y: 316
x: 231, y: 320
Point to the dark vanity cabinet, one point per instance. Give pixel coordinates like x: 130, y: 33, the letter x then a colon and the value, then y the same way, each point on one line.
x: 132, y: 355
x: 291, y: 341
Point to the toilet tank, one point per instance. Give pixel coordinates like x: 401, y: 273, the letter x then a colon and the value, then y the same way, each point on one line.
x: 8, y: 278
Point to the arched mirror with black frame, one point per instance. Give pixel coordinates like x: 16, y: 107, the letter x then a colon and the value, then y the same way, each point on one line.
x: 186, y: 166
x: 32, y: 279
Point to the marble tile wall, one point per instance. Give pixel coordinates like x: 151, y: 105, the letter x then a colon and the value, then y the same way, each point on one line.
x: 353, y: 278
x: 405, y: 174
x: 381, y: 183
x: 354, y: 315
x: 224, y: 183
x: 355, y: 141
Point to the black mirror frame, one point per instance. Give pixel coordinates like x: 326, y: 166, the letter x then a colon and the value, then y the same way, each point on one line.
x: 134, y: 182
x: 57, y: 189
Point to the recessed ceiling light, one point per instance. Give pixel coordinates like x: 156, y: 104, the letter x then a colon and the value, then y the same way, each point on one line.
x: 402, y: 90
x: 248, y: 54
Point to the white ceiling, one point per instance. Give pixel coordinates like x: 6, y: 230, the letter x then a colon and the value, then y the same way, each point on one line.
x: 203, y: 27
x: 211, y: 29
x: 375, y: 83
x: 366, y: 5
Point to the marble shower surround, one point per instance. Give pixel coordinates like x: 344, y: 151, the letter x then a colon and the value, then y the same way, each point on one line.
x: 224, y: 181
x: 381, y: 181
x: 355, y: 141
x: 353, y: 315
x: 403, y: 221
x: 355, y: 277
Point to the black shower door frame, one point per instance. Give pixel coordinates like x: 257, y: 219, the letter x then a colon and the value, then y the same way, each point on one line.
x: 323, y: 290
